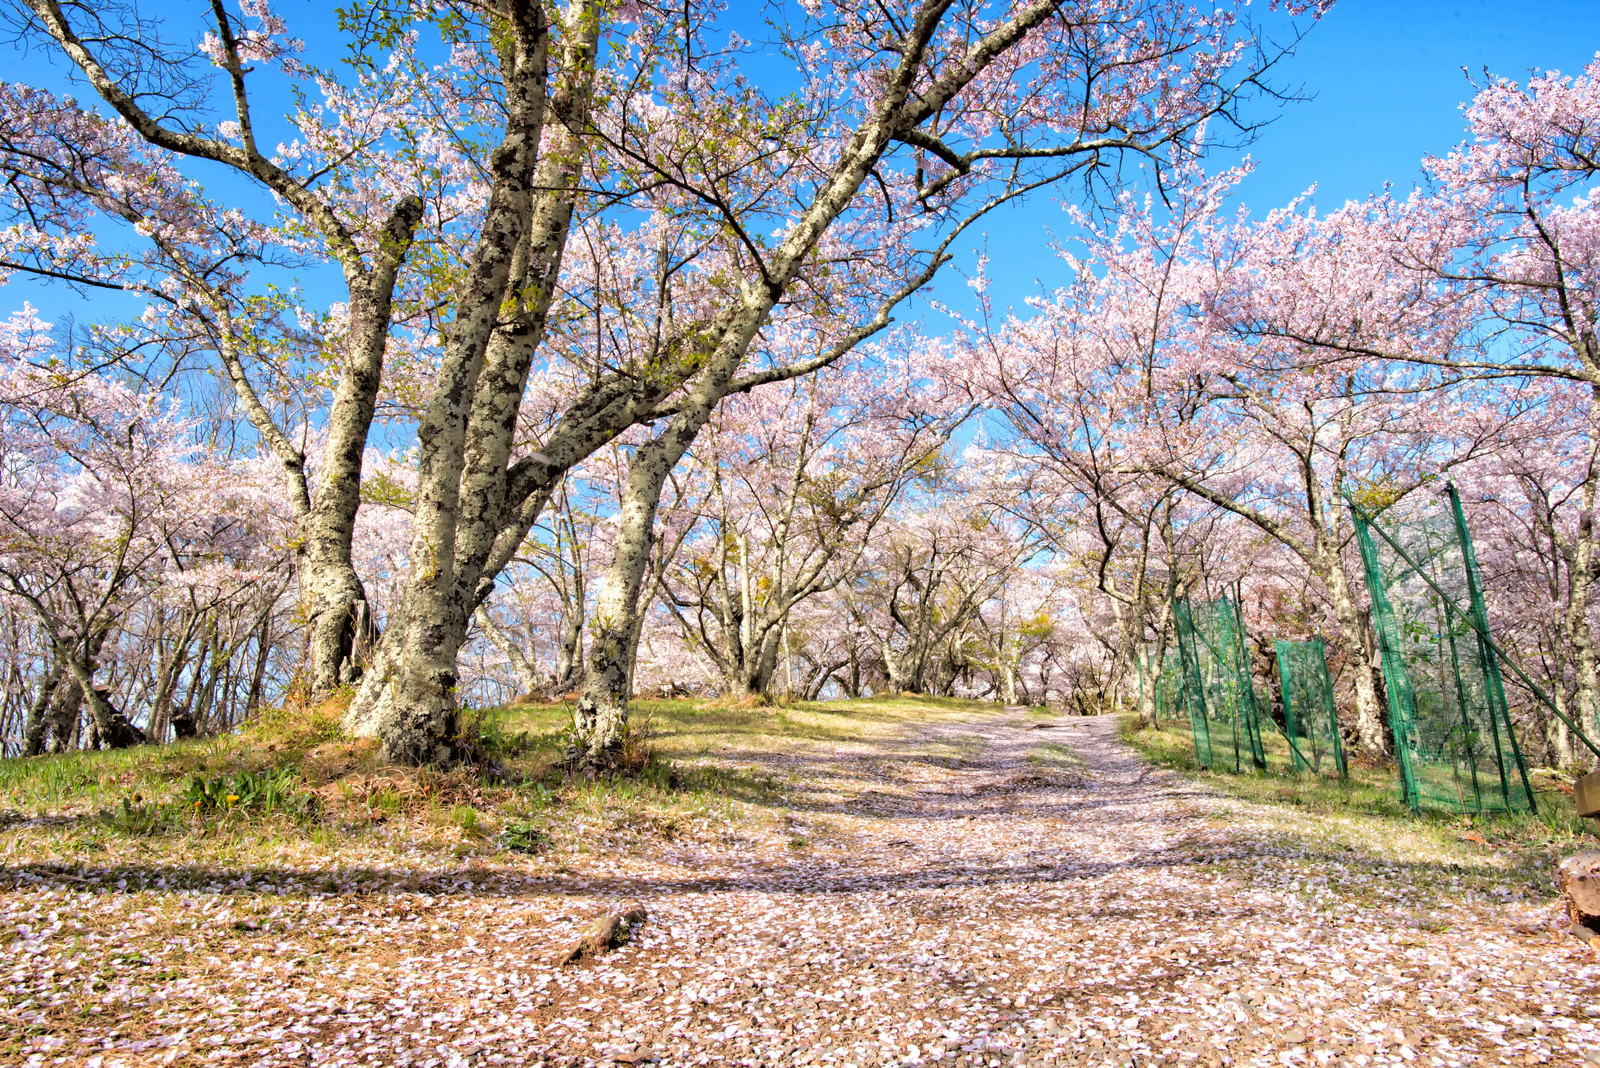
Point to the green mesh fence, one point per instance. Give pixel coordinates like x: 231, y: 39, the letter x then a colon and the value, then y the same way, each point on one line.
x: 1215, y: 674
x: 1172, y: 703
x: 1311, y: 724
x: 1169, y: 688
x: 1447, y: 706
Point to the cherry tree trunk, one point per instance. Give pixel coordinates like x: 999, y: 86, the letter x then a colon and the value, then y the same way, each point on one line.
x: 522, y: 668
x: 111, y: 727
x: 110, y: 722
x: 1369, y: 717
x: 463, y: 501
x: 1008, y: 675
x: 600, y: 720
x: 569, y: 654
x: 1580, y: 572
x: 407, y: 697
x: 339, y: 625
x: 1149, y: 657
x: 752, y: 664
x: 766, y: 663
x: 337, y: 621
x: 1558, y: 741
x: 53, y: 720
x: 44, y: 714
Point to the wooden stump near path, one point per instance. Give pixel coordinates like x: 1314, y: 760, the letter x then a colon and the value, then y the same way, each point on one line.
x: 1586, y: 795
x: 604, y: 933
x: 1578, y: 876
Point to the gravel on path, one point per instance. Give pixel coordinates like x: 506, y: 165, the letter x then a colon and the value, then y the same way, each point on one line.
x: 999, y: 891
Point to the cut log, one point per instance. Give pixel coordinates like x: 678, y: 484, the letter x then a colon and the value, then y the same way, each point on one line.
x: 1578, y: 879
x: 1586, y: 794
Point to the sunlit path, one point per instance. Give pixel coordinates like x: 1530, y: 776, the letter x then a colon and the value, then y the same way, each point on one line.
x: 1009, y: 889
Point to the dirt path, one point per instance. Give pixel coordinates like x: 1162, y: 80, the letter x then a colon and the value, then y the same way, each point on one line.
x: 966, y: 898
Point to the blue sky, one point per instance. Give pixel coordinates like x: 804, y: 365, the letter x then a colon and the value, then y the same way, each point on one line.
x: 1386, y: 82
x: 1388, y: 85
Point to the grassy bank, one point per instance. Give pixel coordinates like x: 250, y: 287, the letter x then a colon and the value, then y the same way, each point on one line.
x: 1371, y: 789
x: 1365, y: 815
x: 289, y: 790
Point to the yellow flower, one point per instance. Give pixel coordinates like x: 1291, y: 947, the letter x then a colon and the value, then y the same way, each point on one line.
x: 232, y: 798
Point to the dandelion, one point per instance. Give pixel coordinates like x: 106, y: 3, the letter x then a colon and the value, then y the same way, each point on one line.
x: 232, y: 798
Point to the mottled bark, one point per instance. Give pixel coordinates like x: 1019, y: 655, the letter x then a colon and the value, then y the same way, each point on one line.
x: 457, y: 550
x: 766, y: 661
x: 600, y: 720
x: 1580, y: 580
x: 335, y: 604
x: 1370, y: 733
x: 1008, y: 680
x: 64, y: 715
x: 469, y: 423
x: 40, y: 720
x: 111, y: 723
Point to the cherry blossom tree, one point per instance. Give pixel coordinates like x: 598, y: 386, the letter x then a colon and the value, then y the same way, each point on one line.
x: 800, y: 476
x: 1217, y: 356
x: 1524, y: 187
x: 1524, y: 508
x: 443, y: 170
x: 109, y: 515
x: 969, y: 108
x: 1476, y: 294
x: 347, y: 193
x: 1074, y: 383
x: 917, y: 596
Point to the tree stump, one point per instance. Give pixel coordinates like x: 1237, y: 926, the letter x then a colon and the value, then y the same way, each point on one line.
x: 1578, y: 876
x: 604, y: 933
x: 1578, y: 879
x: 1586, y: 794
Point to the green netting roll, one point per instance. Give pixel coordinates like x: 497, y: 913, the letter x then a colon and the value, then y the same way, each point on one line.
x: 1169, y: 687
x: 1190, y: 686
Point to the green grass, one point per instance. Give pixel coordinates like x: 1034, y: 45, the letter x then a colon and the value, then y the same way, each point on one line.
x: 81, y: 781
x: 1363, y: 819
x: 301, y: 791
x: 1368, y: 790
x: 1372, y: 788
